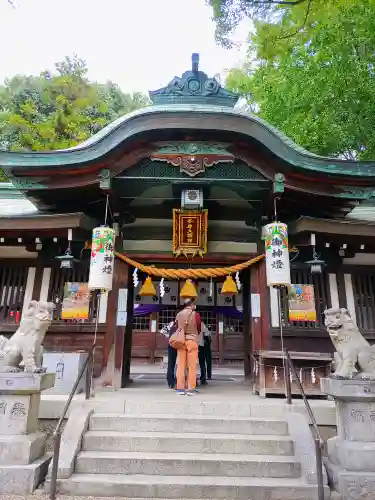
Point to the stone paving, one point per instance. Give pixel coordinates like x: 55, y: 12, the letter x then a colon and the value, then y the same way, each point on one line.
x: 228, y: 385
x: 40, y: 495
x: 149, y: 385
x: 37, y: 495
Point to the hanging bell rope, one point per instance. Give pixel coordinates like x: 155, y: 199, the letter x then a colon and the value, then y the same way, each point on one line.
x: 176, y: 274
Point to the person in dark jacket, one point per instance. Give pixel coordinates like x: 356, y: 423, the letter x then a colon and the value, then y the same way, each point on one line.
x: 172, y: 355
x: 205, y: 355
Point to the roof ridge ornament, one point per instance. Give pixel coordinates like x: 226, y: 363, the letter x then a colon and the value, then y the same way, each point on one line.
x: 194, y: 63
x: 194, y: 87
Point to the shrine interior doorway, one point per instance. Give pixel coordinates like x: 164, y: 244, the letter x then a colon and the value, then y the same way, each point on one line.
x: 226, y: 318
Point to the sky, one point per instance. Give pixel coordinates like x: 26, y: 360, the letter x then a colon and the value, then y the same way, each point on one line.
x: 139, y: 44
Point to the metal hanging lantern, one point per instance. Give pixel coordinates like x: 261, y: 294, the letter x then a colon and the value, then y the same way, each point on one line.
x: 316, y: 265
x: 67, y: 260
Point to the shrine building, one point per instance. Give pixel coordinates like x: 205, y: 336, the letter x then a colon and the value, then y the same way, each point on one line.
x: 194, y: 150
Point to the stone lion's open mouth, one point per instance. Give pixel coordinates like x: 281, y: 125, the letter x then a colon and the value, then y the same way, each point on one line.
x: 334, y: 326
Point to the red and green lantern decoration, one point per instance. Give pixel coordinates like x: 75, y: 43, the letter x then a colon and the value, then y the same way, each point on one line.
x: 275, y: 236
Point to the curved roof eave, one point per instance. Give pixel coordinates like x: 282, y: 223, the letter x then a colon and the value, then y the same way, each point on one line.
x: 224, y: 118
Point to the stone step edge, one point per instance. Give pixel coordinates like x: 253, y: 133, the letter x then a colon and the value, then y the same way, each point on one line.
x: 140, y: 479
x: 167, y: 416
x: 234, y: 489
x: 188, y: 435
x: 222, y: 457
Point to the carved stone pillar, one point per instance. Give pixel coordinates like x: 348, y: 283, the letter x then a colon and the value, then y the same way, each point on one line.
x: 351, y: 455
x: 23, y: 464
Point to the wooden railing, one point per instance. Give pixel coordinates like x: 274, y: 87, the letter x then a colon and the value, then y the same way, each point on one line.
x: 12, y: 290
x: 364, y: 299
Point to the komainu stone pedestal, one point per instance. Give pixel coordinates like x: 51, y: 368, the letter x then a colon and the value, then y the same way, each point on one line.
x: 22, y: 461
x: 351, y: 455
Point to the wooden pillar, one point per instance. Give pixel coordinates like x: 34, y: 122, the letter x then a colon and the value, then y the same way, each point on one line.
x: 114, y: 335
x: 260, y: 327
x: 350, y: 300
x: 37, y: 282
x: 45, y: 285
x: 30, y: 283
x: 247, y: 331
x: 153, y: 329
x: 256, y: 325
x: 341, y: 288
x: 264, y: 306
x: 333, y: 299
x: 128, y: 337
x: 215, y: 338
x: 221, y: 340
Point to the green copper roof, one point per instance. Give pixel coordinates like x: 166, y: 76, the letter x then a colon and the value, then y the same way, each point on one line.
x: 192, y: 102
x: 187, y: 116
x: 365, y: 211
x: 13, y: 202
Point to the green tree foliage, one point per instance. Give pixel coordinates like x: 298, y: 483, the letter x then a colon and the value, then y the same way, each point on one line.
x: 57, y: 111
x: 318, y: 86
x: 228, y: 13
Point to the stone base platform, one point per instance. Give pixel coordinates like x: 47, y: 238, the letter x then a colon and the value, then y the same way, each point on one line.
x: 23, y: 479
x: 351, y: 484
x: 21, y: 449
x: 351, y: 454
x: 215, y: 395
x: 23, y: 463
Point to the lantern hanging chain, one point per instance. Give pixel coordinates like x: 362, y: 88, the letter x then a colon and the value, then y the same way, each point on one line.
x: 106, y: 209
x: 275, y: 208
x: 214, y: 272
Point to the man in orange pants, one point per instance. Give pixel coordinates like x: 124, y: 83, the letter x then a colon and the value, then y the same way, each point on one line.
x: 187, y: 357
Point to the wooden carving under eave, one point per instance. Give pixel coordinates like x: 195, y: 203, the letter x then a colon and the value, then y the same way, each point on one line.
x: 193, y: 157
x: 189, y: 233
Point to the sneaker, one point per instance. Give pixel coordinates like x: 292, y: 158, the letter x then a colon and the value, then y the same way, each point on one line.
x: 180, y: 392
x: 192, y: 392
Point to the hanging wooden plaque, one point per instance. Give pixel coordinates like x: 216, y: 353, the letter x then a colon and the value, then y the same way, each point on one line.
x: 189, y: 232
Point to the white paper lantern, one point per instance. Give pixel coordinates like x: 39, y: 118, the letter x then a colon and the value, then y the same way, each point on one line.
x: 277, y: 254
x: 102, y: 259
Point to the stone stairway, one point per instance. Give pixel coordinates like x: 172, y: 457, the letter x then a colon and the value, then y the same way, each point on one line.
x: 187, y: 453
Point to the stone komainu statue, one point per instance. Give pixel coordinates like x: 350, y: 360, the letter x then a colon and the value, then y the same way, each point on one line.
x: 354, y: 356
x: 26, y: 343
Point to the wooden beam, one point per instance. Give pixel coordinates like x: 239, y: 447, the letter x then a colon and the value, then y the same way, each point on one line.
x: 179, y: 261
x: 342, y: 227
x: 47, y: 222
x: 215, y: 211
